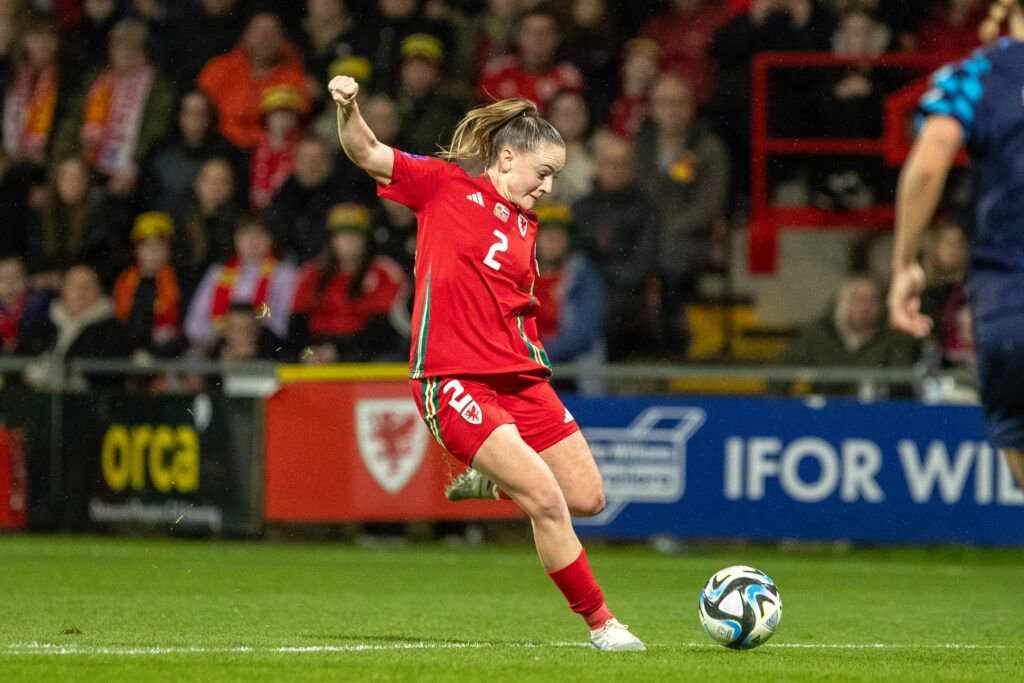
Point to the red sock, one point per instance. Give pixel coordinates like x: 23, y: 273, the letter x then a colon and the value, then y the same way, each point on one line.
x: 579, y: 587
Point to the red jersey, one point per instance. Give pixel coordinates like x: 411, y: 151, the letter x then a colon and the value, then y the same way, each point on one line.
x: 475, y: 269
x: 336, y: 314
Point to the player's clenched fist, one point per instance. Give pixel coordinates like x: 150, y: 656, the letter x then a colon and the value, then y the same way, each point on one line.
x: 343, y: 89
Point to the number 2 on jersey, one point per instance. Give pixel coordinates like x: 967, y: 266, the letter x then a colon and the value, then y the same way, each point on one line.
x: 500, y: 245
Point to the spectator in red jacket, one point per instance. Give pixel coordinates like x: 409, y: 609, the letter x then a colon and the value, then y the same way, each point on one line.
x: 533, y: 72
x: 236, y: 81
x: 349, y: 304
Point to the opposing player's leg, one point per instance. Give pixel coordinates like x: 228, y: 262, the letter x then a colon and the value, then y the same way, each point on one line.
x: 1000, y: 355
x: 573, y: 466
x: 505, y: 459
x: 1015, y: 459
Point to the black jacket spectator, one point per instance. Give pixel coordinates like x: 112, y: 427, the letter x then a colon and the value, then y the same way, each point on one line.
x: 80, y: 324
x: 172, y: 168
x: 296, y: 213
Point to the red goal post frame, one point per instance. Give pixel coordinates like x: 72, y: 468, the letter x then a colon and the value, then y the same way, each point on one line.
x: 346, y: 443
x: 766, y: 219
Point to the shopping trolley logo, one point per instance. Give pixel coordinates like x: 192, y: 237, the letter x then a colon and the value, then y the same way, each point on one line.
x: 392, y: 440
x: 644, y: 462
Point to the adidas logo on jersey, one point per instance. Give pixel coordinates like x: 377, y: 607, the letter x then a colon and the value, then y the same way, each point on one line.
x: 476, y: 198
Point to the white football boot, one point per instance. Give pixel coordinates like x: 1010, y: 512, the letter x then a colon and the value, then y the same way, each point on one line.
x: 614, y: 636
x: 469, y: 485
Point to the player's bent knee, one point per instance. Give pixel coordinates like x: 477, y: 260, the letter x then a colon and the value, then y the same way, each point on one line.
x: 588, y: 505
x: 547, y: 505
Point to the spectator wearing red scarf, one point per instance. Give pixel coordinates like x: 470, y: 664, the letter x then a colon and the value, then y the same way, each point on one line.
x: 253, y: 275
x: 33, y: 99
x: 127, y: 109
x: 273, y: 158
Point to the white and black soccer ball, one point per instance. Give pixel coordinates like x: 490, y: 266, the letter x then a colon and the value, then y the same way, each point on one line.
x: 740, y: 607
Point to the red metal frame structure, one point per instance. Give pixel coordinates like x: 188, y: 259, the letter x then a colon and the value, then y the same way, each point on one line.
x: 765, y: 218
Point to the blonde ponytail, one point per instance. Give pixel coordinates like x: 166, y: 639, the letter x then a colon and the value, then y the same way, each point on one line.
x: 488, y: 129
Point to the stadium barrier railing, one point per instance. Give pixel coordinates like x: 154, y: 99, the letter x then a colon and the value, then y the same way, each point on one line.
x: 261, y: 378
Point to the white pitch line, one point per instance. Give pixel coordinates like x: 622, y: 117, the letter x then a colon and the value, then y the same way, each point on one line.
x: 55, y: 649
x: 52, y: 649
x: 874, y: 646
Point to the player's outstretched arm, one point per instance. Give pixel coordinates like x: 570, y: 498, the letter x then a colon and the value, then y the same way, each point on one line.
x: 917, y: 195
x: 358, y: 141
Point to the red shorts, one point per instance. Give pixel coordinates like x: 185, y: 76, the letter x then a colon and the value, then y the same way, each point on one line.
x: 461, y: 412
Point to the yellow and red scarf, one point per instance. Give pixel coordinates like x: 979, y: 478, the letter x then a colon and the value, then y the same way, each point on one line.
x: 226, y: 285
x: 112, y: 117
x: 165, y: 306
x: 28, y: 112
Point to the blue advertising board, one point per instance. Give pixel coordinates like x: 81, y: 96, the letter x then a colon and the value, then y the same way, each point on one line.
x: 894, y: 472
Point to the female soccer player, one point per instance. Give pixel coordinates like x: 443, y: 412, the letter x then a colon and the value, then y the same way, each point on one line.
x: 478, y: 373
x: 976, y: 102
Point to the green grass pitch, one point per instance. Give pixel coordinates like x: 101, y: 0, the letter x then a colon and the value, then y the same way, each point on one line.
x: 105, y: 609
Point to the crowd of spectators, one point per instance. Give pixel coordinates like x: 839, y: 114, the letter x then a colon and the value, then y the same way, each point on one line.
x: 171, y: 181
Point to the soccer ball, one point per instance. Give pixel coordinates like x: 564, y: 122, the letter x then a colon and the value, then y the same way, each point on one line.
x: 740, y: 607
